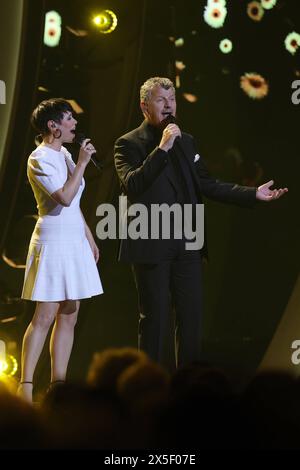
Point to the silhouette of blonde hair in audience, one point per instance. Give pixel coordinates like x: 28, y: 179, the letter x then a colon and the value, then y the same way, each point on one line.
x: 108, y: 365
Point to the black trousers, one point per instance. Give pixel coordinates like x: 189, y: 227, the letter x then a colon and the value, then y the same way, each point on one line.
x: 173, y: 286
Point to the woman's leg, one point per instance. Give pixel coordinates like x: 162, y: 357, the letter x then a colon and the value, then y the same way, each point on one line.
x: 33, y: 342
x: 62, y: 337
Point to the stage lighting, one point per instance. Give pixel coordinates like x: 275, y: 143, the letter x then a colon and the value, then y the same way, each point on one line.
x: 9, y: 366
x: 2, y: 349
x: 215, y: 14
x: 77, y: 108
x: 3, y: 366
x: 292, y: 42
x: 3, y: 363
x: 8, y: 363
x: 2, y: 92
x: 190, y: 97
x: 52, y: 32
x: 179, y: 42
x: 254, y: 85
x: 12, y: 365
x: 225, y: 46
x: 106, y: 21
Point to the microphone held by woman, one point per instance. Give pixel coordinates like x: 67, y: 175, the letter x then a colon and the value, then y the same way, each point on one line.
x: 79, y: 138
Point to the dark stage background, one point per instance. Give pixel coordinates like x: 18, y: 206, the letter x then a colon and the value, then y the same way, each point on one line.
x: 253, y: 254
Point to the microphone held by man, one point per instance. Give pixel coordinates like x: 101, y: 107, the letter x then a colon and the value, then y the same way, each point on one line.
x: 171, y: 132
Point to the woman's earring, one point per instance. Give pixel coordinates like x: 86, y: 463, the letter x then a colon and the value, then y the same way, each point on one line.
x: 57, y: 134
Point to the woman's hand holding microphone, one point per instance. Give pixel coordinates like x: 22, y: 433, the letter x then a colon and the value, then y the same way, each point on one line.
x: 87, y: 149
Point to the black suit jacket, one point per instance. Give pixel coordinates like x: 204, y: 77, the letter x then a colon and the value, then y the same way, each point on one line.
x: 146, y: 176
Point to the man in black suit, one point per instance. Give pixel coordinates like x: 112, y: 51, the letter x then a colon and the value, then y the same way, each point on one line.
x: 158, y: 164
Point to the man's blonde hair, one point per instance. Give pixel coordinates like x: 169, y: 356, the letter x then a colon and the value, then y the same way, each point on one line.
x: 151, y: 83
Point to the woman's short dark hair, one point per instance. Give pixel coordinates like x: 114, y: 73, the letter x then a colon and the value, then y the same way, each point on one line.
x: 49, y: 110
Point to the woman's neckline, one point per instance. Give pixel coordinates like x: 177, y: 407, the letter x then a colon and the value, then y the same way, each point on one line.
x: 51, y: 148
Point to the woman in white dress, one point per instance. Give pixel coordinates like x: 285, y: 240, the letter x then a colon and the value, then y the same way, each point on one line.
x: 61, y: 263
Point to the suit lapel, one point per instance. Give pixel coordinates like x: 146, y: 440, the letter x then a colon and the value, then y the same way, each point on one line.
x: 185, y: 151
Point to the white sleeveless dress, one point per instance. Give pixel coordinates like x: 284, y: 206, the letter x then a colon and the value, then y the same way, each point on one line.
x: 60, y: 264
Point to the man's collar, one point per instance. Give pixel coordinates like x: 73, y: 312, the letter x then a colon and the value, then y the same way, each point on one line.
x: 148, y: 131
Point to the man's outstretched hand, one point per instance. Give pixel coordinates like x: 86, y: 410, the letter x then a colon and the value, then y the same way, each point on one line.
x: 264, y: 193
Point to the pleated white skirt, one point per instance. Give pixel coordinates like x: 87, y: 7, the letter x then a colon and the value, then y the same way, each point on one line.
x: 60, y: 264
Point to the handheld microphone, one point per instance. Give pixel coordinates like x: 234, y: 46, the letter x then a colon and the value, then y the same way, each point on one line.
x: 79, y: 138
x: 169, y: 119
